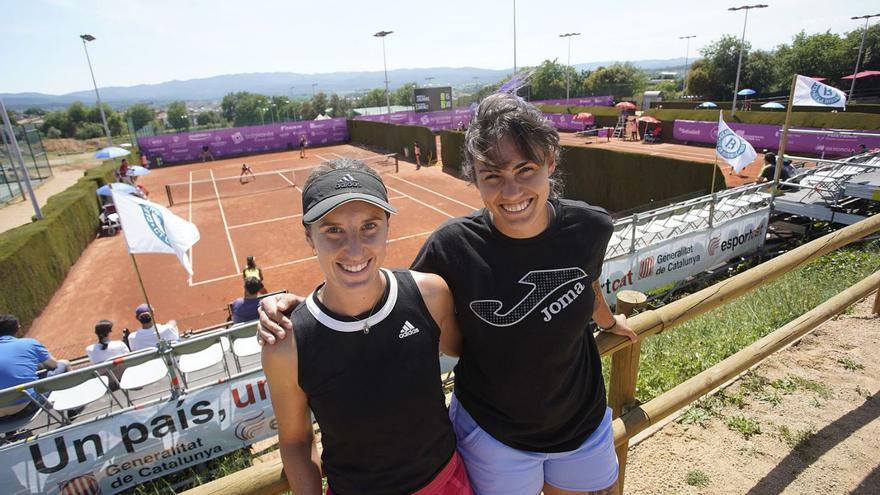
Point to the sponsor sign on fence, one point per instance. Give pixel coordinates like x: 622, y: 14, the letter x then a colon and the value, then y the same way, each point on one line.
x: 674, y: 260
x: 235, y: 141
x: 583, y: 101
x: 110, y: 454
x: 767, y: 136
x: 450, y: 119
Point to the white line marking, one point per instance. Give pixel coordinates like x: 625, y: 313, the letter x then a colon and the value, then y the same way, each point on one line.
x: 301, y: 260
x: 276, y: 219
x: 337, y: 154
x: 225, y: 225
x: 193, y: 247
x: 434, y: 192
x: 438, y: 210
x: 322, y: 158
x: 289, y: 182
x: 395, y: 197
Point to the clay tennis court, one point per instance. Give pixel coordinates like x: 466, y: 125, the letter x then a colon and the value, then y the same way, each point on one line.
x: 235, y: 220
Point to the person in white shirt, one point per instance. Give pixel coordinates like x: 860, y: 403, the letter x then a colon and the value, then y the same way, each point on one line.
x: 105, y: 348
x: 145, y: 337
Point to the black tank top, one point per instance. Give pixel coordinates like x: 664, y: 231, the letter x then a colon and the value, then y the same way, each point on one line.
x: 377, y: 396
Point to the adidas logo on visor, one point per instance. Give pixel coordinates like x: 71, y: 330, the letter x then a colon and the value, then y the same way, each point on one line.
x: 347, y: 181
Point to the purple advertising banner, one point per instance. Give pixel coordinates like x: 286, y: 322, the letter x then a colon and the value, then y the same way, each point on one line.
x: 235, y: 141
x: 444, y: 119
x: 564, y: 122
x: 583, y: 101
x: 767, y: 136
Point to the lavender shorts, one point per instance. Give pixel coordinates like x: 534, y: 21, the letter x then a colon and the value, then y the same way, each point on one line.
x: 495, y: 468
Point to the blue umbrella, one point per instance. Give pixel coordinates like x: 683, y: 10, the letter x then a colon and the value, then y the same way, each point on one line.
x: 707, y: 104
x: 746, y: 92
x: 774, y: 105
x: 112, y: 152
x: 120, y: 187
x: 136, y: 170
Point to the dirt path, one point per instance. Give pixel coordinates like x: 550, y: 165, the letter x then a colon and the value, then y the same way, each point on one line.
x: 811, y: 412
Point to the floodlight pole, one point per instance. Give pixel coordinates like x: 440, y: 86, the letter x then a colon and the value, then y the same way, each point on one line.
x: 514, y: 37
x: 15, y: 153
x: 852, y: 86
x: 383, y: 34
x: 567, y: 74
x: 85, y: 38
x: 741, y: 46
x: 687, y: 52
x: 313, y: 89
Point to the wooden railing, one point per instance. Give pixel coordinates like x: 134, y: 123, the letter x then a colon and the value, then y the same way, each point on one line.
x: 268, y: 478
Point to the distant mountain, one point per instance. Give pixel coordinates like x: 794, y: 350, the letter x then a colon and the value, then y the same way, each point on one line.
x: 283, y: 83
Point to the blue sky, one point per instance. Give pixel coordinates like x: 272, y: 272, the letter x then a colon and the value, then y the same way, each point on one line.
x: 153, y: 41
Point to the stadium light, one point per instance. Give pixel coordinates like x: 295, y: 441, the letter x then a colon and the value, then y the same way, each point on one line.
x: 567, y: 72
x: 86, y: 38
x: 687, y: 52
x: 747, y: 8
x: 383, y: 34
x: 852, y: 86
x: 313, y: 89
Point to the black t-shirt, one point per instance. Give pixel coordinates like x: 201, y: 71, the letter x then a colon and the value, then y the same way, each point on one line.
x: 529, y: 373
x: 377, y: 396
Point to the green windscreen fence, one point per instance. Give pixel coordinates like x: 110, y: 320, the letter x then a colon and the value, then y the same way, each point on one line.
x: 35, y: 160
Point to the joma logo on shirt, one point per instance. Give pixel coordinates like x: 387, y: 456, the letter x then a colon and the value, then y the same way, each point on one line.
x: 542, y: 283
x: 563, y: 301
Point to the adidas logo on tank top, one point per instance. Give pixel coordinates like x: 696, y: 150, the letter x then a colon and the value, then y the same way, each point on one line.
x: 407, y: 330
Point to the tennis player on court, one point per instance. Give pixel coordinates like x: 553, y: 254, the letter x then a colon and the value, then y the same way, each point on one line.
x: 246, y: 169
x: 529, y: 410
x: 364, y: 357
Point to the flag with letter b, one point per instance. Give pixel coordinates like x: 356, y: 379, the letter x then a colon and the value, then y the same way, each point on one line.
x: 732, y: 147
x: 152, y: 228
x: 809, y: 92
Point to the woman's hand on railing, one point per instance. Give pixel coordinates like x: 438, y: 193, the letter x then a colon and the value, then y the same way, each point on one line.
x: 621, y: 327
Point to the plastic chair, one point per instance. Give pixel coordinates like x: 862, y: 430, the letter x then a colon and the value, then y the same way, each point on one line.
x: 199, y: 354
x: 9, y: 428
x: 142, y: 369
x: 73, y: 390
x: 244, y: 343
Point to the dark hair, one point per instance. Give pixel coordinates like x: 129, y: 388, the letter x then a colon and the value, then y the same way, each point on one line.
x: 500, y: 116
x: 770, y: 158
x: 8, y: 325
x: 102, y: 330
x: 250, y: 262
x: 252, y: 285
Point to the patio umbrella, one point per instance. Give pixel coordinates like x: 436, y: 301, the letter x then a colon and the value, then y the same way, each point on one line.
x: 120, y: 187
x: 863, y: 74
x: 707, y: 104
x: 583, y: 117
x: 774, y: 105
x: 111, y: 152
x: 746, y: 92
x: 137, y: 170
x: 648, y: 119
x: 626, y: 105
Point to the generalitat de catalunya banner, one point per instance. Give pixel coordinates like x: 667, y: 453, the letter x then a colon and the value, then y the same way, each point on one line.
x: 674, y: 260
x: 110, y: 454
x: 238, y: 141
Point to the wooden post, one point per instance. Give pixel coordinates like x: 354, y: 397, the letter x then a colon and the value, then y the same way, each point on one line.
x: 624, y: 373
x: 877, y: 302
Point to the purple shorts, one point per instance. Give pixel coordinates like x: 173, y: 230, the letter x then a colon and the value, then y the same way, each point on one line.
x: 495, y: 468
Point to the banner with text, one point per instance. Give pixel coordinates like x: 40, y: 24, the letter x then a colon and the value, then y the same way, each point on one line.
x: 674, y: 260
x: 582, y: 101
x: 237, y: 141
x: 114, y: 453
x: 767, y: 136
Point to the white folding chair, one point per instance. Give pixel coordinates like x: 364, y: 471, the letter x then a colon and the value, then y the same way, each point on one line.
x: 73, y: 390
x: 200, y: 354
x: 244, y: 343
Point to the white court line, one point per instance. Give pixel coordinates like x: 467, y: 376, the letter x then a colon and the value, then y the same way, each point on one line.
x: 322, y: 157
x: 301, y: 260
x: 191, y: 248
x: 434, y: 192
x: 276, y: 219
x: 337, y: 154
x: 438, y: 210
x: 225, y: 225
x: 288, y: 181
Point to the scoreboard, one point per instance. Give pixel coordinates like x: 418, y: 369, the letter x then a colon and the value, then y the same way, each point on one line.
x: 432, y: 99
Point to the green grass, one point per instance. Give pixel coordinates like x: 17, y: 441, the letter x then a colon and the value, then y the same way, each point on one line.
x: 795, y: 439
x: 671, y: 358
x: 745, y: 426
x: 697, y: 478
x: 850, y: 364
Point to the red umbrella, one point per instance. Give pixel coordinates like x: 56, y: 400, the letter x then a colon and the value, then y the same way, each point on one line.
x: 864, y: 73
x: 583, y: 117
x: 648, y: 119
x: 626, y: 105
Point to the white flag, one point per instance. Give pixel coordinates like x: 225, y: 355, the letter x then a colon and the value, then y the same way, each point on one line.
x: 811, y: 93
x: 732, y: 147
x: 152, y: 228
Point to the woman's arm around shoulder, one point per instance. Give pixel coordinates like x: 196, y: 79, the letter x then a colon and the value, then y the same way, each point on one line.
x: 302, y: 465
x: 438, y: 298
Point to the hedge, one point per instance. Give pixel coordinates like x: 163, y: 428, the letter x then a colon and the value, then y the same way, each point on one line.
x: 451, y: 151
x: 615, y: 180
x: 394, y: 138
x: 35, y: 258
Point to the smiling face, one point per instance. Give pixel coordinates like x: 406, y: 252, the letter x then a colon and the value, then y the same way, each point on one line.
x: 515, y: 191
x: 350, y: 242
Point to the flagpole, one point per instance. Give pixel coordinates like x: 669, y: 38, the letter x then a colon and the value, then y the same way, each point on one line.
x: 714, y: 172
x: 780, y: 158
x: 146, y: 299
